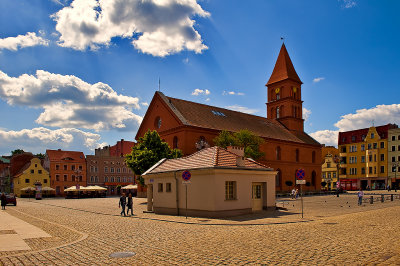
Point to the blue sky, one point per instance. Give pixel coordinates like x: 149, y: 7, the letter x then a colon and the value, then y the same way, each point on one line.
x: 80, y: 74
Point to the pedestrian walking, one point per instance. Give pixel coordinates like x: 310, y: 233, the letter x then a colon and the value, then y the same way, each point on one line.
x: 129, y: 204
x: 293, y: 193
x: 122, y: 203
x: 296, y: 193
x: 360, y: 195
x: 3, y: 201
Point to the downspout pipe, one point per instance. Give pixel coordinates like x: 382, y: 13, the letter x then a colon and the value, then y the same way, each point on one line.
x: 177, y: 194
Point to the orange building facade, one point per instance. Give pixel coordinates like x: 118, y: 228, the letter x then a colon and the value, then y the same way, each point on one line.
x: 191, y: 126
x: 66, y: 169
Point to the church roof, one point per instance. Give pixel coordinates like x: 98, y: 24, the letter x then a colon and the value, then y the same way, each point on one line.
x: 214, y: 157
x: 216, y: 118
x: 283, y: 69
x: 58, y: 155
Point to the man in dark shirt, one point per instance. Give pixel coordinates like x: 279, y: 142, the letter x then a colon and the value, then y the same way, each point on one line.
x: 122, y: 203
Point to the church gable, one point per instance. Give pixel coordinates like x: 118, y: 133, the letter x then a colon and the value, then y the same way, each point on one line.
x: 159, y: 116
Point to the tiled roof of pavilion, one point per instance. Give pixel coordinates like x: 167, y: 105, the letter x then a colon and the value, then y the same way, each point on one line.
x: 214, y: 157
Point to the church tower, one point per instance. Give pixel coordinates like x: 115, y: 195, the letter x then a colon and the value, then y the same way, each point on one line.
x: 284, y: 94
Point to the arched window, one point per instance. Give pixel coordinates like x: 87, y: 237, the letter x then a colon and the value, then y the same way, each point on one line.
x: 277, y: 112
x: 297, y: 155
x: 313, y: 156
x: 278, y: 180
x: 175, y: 143
x: 313, y: 178
x: 278, y: 96
x: 278, y: 153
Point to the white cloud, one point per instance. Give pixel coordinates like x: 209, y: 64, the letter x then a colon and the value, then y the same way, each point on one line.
x: 242, y: 109
x: 208, y: 99
x: 145, y: 103
x: 69, y: 101
x: 156, y: 27
x: 232, y: 93
x: 363, y: 118
x: 186, y: 60
x: 306, y: 113
x: 198, y: 92
x: 348, y: 3
x: 327, y: 137
x: 37, y: 140
x: 318, y: 79
x: 22, y: 41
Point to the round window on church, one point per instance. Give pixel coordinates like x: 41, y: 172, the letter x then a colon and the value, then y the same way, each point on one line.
x: 157, y: 122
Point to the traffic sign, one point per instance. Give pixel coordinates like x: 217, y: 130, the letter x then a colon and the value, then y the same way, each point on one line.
x: 186, y: 175
x: 300, y: 174
x: 300, y: 182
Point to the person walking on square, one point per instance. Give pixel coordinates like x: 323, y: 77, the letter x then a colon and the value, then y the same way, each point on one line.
x: 360, y: 195
x: 129, y: 204
x: 3, y: 201
x: 296, y: 193
x: 293, y: 193
x: 122, y: 203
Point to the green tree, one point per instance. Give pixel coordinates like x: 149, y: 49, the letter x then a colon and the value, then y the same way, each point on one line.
x: 40, y: 155
x: 244, y: 138
x: 17, y: 151
x: 148, y: 151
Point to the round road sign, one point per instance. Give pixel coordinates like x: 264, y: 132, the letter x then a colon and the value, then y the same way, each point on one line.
x: 186, y: 175
x: 300, y: 174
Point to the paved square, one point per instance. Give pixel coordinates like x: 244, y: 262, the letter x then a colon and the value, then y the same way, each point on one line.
x: 91, y: 231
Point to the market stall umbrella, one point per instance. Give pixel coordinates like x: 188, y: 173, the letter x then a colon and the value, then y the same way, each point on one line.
x: 28, y: 189
x: 99, y: 188
x: 48, y: 189
x: 73, y: 188
x: 130, y: 187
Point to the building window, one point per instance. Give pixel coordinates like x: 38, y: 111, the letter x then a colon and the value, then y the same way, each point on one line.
x: 372, y: 135
x: 106, y: 179
x: 105, y: 169
x: 374, y: 169
x: 382, y: 169
x: 65, y: 177
x: 328, y: 165
x: 363, y: 159
x: 375, y: 145
x: 73, y: 167
x: 324, y: 175
x: 27, y: 180
x: 334, y: 174
x: 35, y: 164
x: 382, y: 157
x: 313, y: 178
x: 112, y: 179
x: 363, y: 170
x: 160, y: 187
x: 278, y: 153
x: 382, y: 145
x: 65, y: 167
x: 175, y: 143
x: 57, y: 177
x: 329, y: 174
x: 353, y: 138
x: 168, y: 187
x: 343, y: 149
x: 394, y: 138
x: 278, y: 178
x: 112, y: 169
x: 362, y: 147
x: 297, y: 155
x: 230, y: 190
x: 45, y: 181
x: 118, y: 179
x: 57, y: 167
x: 118, y: 170
x: 313, y: 157
x: 370, y: 170
x: 370, y: 158
x: 277, y: 112
x: 32, y: 171
x: 393, y: 148
x: 91, y: 179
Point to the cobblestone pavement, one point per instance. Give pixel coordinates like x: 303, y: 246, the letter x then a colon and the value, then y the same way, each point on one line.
x: 334, y: 231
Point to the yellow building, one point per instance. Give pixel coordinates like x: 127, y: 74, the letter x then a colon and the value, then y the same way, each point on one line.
x: 30, y: 174
x: 329, y: 172
x: 364, y: 158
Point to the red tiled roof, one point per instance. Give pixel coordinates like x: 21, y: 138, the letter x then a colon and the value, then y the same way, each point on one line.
x: 284, y: 68
x: 211, y: 117
x: 346, y: 137
x: 214, y: 157
x: 58, y: 155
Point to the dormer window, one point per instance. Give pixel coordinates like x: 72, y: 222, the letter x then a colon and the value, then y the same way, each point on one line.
x: 372, y: 135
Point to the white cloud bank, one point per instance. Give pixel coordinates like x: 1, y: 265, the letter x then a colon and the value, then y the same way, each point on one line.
x: 198, y: 92
x: 316, y: 80
x: 363, y: 118
x: 71, y: 102
x: 306, y: 113
x: 37, y: 140
x: 156, y: 27
x: 232, y: 93
x: 348, y: 3
x: 22, y: 41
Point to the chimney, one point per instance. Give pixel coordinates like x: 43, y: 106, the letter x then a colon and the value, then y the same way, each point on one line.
x: 239, y: 152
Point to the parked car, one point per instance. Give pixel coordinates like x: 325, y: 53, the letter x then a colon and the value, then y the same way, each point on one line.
x: 11, y: 199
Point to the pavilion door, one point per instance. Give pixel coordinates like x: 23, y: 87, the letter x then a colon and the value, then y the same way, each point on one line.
x: 257, y: 197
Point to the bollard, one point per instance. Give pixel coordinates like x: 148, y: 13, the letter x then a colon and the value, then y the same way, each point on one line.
x: 391, y: 197
x: 382, y: 198
x: 371, y: 200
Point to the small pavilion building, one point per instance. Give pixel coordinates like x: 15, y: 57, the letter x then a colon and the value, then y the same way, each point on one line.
x: 222, y: 183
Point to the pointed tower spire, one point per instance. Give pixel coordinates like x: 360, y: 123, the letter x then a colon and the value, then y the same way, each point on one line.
x: 283, y: 69
x: 284, y: 94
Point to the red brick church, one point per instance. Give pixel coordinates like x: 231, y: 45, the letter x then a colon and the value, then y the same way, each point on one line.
x: 192, y: 126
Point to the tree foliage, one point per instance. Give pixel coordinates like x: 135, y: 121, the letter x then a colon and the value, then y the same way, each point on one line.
x: 244, y: 138
x: 17, y: 151
x: 148, y: 151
